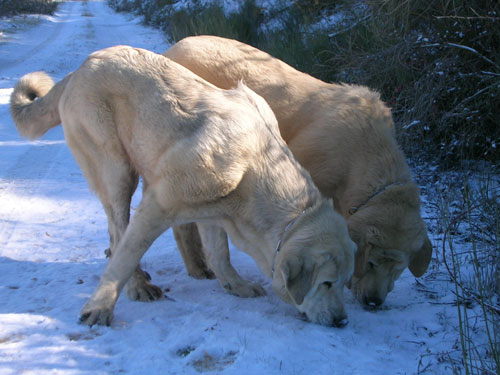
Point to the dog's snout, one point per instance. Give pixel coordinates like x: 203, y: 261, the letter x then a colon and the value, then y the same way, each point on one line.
x: 328, y: 284
x: 340, y: 322
x: 373, y: 301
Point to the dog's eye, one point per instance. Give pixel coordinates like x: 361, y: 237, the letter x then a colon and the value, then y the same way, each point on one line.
x: 371, y: 265
x: 328, y: 284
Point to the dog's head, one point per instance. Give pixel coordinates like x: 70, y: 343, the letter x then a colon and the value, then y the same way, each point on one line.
x: 391, y: 236
x: 316, y: 261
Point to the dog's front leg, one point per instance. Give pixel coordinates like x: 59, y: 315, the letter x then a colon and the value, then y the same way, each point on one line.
x: 146, y: 225
x: 214, y: 240
x: 139, y: 286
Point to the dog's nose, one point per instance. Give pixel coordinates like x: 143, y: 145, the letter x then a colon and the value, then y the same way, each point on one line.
x: 373, y: 301
x: 340, y: 322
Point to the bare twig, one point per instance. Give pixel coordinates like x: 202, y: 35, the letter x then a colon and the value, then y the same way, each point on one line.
x: 422, y: 369
x: 468, y: 18
x: 470, y: 49
x: 491, y: 74
x: 431, y: 45
x: 465, y: 289
x: 468, y: 99
x: 352, y: 26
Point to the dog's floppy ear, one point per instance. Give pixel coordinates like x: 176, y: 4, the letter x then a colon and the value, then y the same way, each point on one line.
x: 361, y: 259
x: 419, y: 261
x: 361, y: 234
x: 298, y: 278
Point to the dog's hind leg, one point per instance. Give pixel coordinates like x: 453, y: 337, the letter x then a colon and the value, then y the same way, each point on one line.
x: 118, y: 184
x: 139, y: 287
x: 190, y: 246
x: 214, y: 240
x: 148, y: 222
x: 114, y: 180
x: 118, y: 192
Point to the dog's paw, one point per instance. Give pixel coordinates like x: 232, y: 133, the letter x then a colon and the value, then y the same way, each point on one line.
x: 140, y: 289
x: 246, y: 290
x: 146, y: 293
x: 99, y: 308
x: 91, y: 316
x: 201, y: 273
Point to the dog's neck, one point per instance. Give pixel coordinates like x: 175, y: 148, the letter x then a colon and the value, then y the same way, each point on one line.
x: 267, y: 243
x: 282, y: 239
x: 373, y: 178
x: 362, y: 195
x: 353, y: 209
x: 264, y: 225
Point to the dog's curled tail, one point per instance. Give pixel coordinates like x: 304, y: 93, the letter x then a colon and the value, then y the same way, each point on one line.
x: 34, y: 104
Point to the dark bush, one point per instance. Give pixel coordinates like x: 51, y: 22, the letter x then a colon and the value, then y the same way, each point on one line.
x: 435, y: 62
x: 12, y: 7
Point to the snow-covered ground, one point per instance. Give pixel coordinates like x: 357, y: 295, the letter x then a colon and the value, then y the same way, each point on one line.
x: 53, y: 233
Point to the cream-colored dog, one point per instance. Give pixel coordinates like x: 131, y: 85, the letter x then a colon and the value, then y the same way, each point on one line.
x: 343, y: 135
x: 206, y: 154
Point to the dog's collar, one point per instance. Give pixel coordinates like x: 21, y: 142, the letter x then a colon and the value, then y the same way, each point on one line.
x: 282, y: 239
x: 355, y: 209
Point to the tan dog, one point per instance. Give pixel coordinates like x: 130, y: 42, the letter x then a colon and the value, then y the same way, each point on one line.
x: 206, y: 154
x: 343, y: 135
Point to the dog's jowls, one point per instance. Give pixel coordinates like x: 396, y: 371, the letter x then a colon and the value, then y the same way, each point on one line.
x: 208, y: 155
x: 343, y: 135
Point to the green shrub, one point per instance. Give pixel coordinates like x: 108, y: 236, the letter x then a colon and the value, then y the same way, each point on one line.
x: 11, y: 7
x: 208, y: 20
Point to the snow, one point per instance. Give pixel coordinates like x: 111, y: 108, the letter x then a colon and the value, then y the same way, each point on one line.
x: 53, y: 234
x: 229, y: 6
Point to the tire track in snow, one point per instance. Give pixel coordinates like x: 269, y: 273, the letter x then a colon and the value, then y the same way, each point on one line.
x: 43, y: 45
x: 31, y: 174
x: 22, y: 180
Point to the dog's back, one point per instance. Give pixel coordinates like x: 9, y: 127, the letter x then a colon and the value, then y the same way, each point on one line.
x: 166, y: 121
x: 224, y: 62
x: 334, y: 131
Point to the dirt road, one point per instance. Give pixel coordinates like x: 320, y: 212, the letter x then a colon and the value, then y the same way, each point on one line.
x: 58, y: 45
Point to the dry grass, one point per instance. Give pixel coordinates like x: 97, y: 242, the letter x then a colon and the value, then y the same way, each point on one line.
x: 470, y: 221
